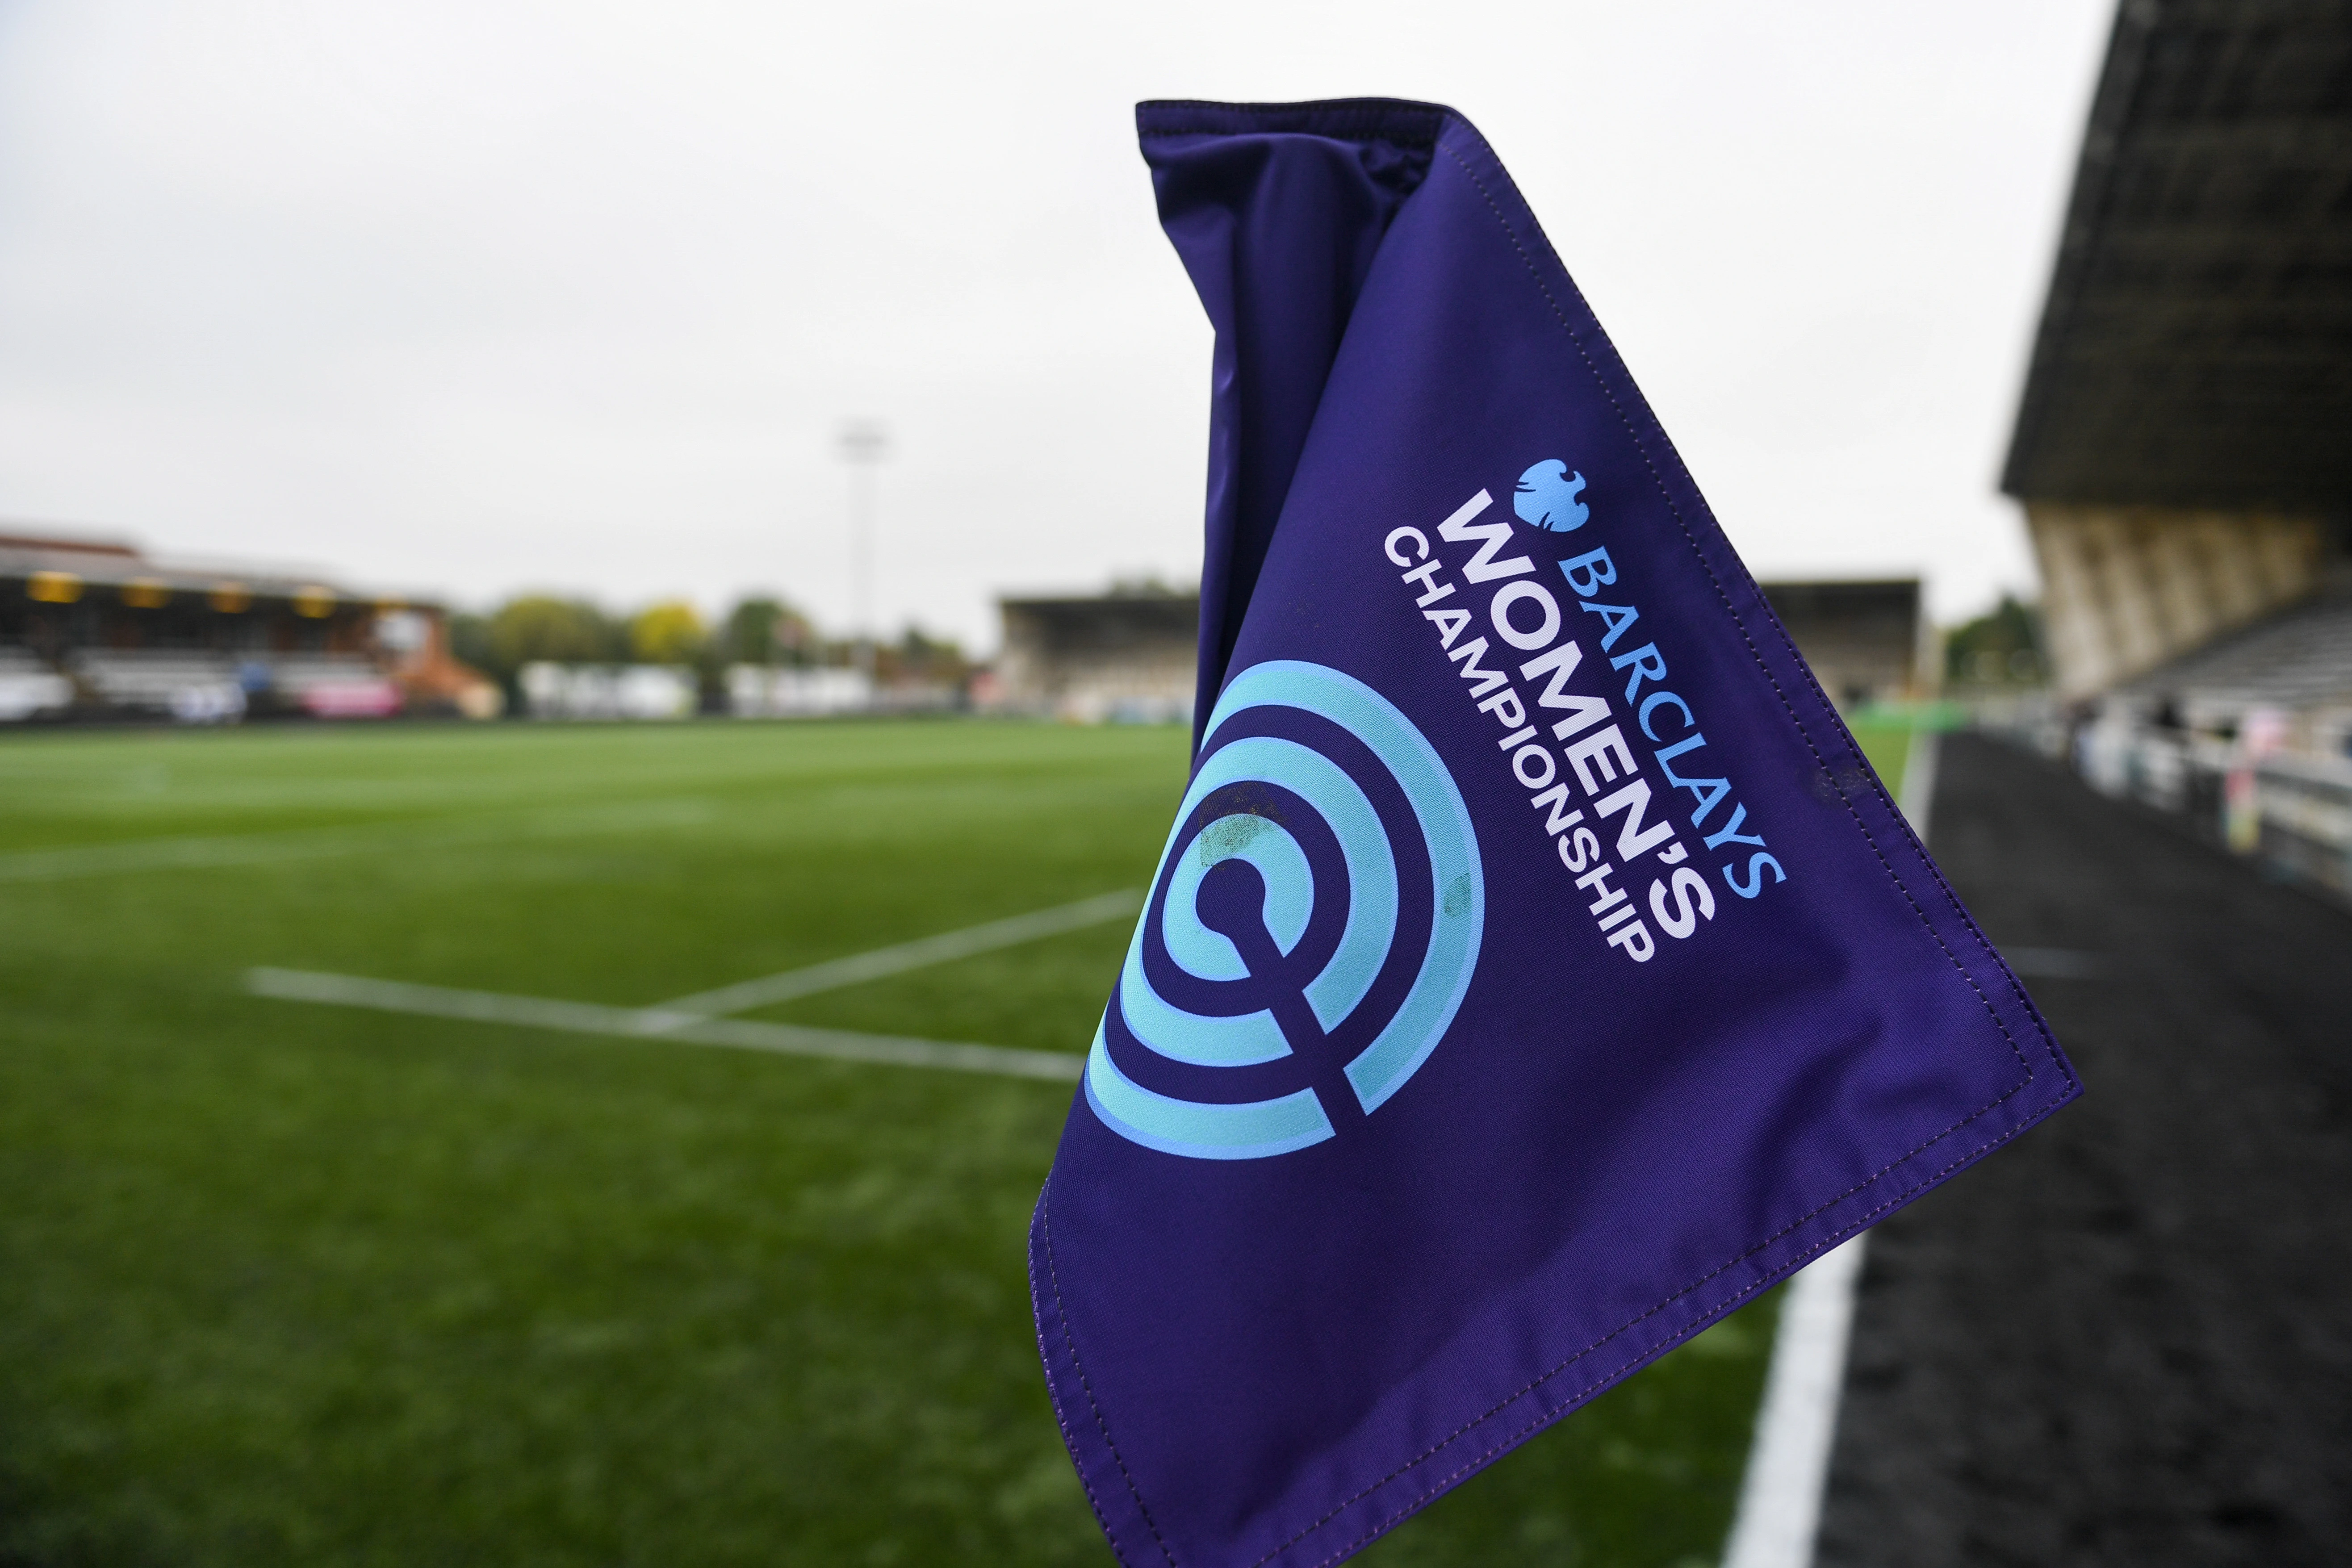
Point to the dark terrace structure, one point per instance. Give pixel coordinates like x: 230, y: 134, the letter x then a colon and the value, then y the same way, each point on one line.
x: 2128, y: 1339
x: 1131, y: 655
x: 101, y: 629
x: 2184, y: 443
x: 1863, y: 640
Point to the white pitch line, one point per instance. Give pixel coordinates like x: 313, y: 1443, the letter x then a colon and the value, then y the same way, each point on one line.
x: 1919, y: 778
x: 657, y: 1024
x: 1779, y: 1514
x: 944, y: 948
x: 64, y: 862
x: 1780, y: 1497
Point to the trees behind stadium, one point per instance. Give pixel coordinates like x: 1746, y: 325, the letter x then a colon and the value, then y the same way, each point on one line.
x: 759, y: 629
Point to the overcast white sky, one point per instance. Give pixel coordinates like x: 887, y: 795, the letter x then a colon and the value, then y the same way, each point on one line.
x: 470, y: 297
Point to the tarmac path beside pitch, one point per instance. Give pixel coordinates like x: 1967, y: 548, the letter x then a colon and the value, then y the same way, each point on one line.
x: 2126, y: 1338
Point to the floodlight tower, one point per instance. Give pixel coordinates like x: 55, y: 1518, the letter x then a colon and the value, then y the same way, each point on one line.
x: 864, y: 444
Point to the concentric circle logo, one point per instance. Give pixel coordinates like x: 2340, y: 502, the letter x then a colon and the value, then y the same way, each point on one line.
x: 1309, y: 935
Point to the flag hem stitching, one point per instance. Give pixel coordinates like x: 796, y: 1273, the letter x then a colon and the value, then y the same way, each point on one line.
x: 1085, y: 1385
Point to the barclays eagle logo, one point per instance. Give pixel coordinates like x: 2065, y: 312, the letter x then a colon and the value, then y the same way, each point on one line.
x: 1547, y: 496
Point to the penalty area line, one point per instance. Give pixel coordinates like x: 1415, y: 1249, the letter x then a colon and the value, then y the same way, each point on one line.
x: 944, y: 948
x: 655, y: 1023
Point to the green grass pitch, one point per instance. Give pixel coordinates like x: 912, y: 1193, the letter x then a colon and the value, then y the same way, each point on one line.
x: 284, y: 1283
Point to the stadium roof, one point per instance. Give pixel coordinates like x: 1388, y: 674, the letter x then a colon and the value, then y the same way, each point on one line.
x: 115, y: 563
x: 1845, y: 597
x: 2196, y: 349
x: 1108, y: 620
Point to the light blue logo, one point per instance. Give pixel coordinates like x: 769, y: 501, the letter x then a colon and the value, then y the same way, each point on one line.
x: 1314, y: 920
x: 1547, y: 496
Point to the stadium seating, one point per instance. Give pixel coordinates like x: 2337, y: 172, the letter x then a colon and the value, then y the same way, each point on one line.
x: 2298, y: 663
x: 334, y: 685
x: 29, y: 687
x: 192, y: 686
x: 2273, y: 703
x: 200, y: 687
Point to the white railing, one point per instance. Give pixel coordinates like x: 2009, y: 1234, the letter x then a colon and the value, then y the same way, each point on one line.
x: 608, y: 692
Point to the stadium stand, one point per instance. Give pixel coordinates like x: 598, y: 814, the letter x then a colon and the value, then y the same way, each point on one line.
x: 2124, y: 1340
x: 1122, y: 656
x: 1864, y: 641
x: 2298, y: 663
x: 29, y: 689
x: 97, y: 627
x: 190, y: 686
x: 334, y: 685
x: 1131, y: 655
x: 2271, y: 704
x: 2181, y: 447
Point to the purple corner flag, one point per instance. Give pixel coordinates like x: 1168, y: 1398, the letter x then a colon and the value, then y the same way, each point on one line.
x: 1536, y: 971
